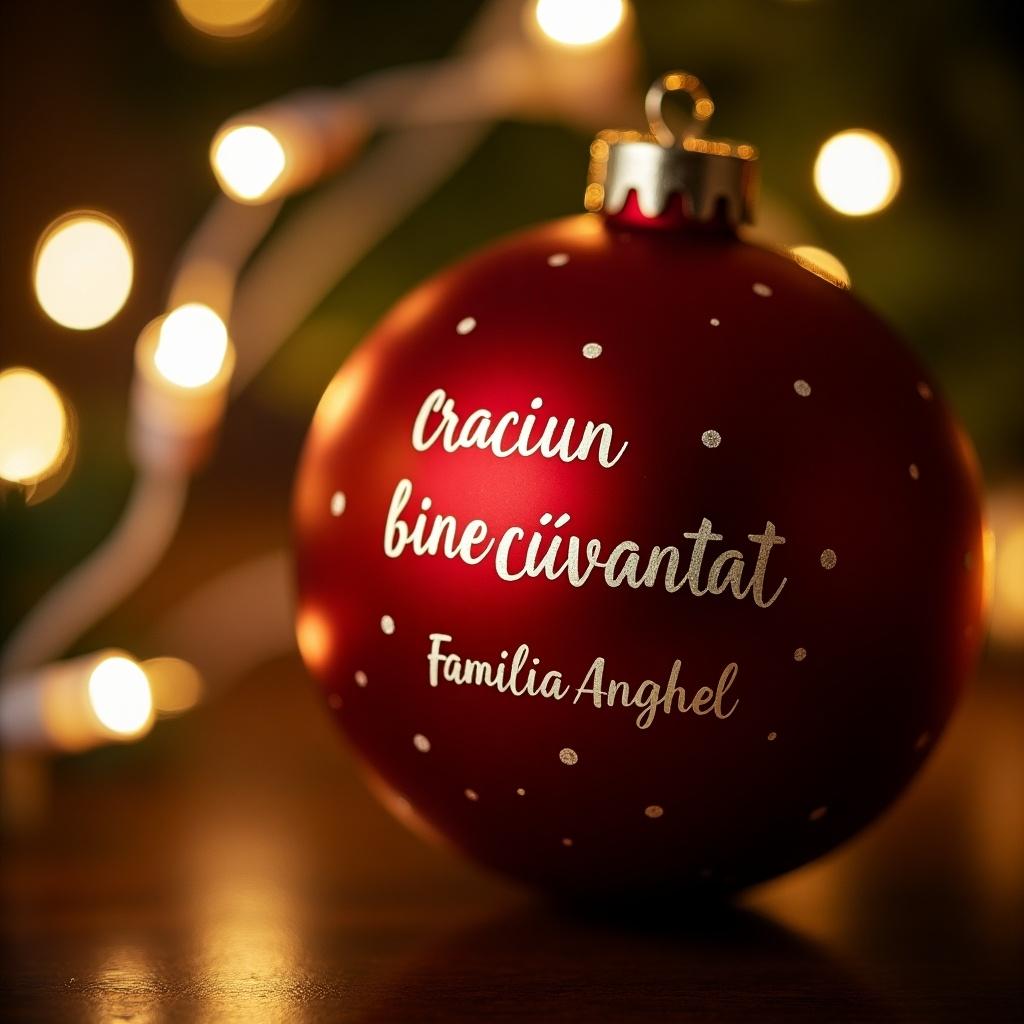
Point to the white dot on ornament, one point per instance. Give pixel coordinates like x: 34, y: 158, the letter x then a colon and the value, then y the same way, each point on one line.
x: 568, y: 756
x: 562, y: 520
x: 817, y: 814
x: 711, y: 438
x: 924, y: 391
x: 387, y: 625
x: 592, y: 350
x: 465, y: 325
x: 828, y: 559
x: 520, y: 791
x: 915, y: 473
x: 337, y: 503
x: 545, y: 519
x: 567, y: 841
x: 799, y: 654
x: 802, y: 388
x: 714, y: 321
x: 654, y: 811
x: 334, y: 701
x: 421, y: 743
x: 471, y: 794
x: 772, y: 736
x: 361, y: 679
x: 763, y: 290
x: 558, y: 259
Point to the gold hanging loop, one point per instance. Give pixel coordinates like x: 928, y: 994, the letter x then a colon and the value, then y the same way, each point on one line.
x: 654, y: 105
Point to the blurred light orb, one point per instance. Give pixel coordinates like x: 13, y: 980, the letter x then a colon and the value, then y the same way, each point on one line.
x: 247, y: 159
x: 579, y: 22
x: 857, y: 172
x: 192, y: 345
x: 83, y: 270
x: 120, y: 697
x: 821, y: 262
x: 33, y: 427
x: 226, y: 18
x: 175, y: 684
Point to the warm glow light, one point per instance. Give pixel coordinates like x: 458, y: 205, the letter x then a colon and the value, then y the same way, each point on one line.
x: 120, y: 697
x: 579, y: 22
x: 176, y: 685
x: 225, y: 18
x: 247, y: 160
x: 33, y: 427
x: 313, y: 633
x: 857, y: 173
x: 821, y: 262
x: 83, y: 270
x: 192, y: 345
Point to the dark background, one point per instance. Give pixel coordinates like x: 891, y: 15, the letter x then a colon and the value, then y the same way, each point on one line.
x: 231, y: 866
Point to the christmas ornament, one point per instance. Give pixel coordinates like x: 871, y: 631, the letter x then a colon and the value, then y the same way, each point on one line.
x: 631, y: 555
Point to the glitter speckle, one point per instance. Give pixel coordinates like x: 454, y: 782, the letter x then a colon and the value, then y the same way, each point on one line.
x: 763, y: 290
x: 387, y: 625
x: 334, y: 701
x: 558, y: 259
x: 772, y: 736
x: 421, y: 743
x: 567, y: 841
x: 922, y: 741
x: 800, y: 653
x: 915, y: 473
x: 465, y: 325
x: 360, y: 678
x: 714, y: 321
x: 817, y: 814
x: 337, y: 503
x: 924, y: 390
x: 520, y: 791
x: 471, y: 795
x: 711, y: 438
x: 592, y: 350
x: 568, y: 756
x: 802, y: 388
x: 828, y: 559
x: 654, y: 811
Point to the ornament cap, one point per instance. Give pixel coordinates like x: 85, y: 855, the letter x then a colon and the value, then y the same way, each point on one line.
x: 661, y: 178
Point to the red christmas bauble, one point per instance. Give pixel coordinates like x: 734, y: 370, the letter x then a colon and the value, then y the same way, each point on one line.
x: 635, y: 557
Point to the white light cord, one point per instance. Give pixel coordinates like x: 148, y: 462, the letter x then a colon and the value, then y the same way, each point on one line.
x: 104, y: 579
x: 234, y: 622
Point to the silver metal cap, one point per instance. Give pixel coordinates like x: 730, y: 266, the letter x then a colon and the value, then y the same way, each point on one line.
x: 713, y: 178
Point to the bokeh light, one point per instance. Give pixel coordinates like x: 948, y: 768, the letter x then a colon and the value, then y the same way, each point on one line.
x: 33, y: 427
x: 247, y: 160
x: 120, y: 697
x: 226, y: 18
x: 1006, y: 557
x: 176, y: 684
x: 821, y: 262
x: 83, y: 270
x: 579, y: 22
x: 857, y: 172
x: 192, y: 345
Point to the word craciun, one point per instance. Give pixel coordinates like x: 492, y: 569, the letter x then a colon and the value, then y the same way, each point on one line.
x: 511, y: 434
x: 514, y: 554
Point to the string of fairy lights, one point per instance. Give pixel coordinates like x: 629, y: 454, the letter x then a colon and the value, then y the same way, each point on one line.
x: 203, y: 348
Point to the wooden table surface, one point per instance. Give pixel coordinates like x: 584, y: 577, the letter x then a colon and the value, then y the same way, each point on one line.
x: 235, y: 868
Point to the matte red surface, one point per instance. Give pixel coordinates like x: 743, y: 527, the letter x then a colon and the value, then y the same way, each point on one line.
x: 890, y: 632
